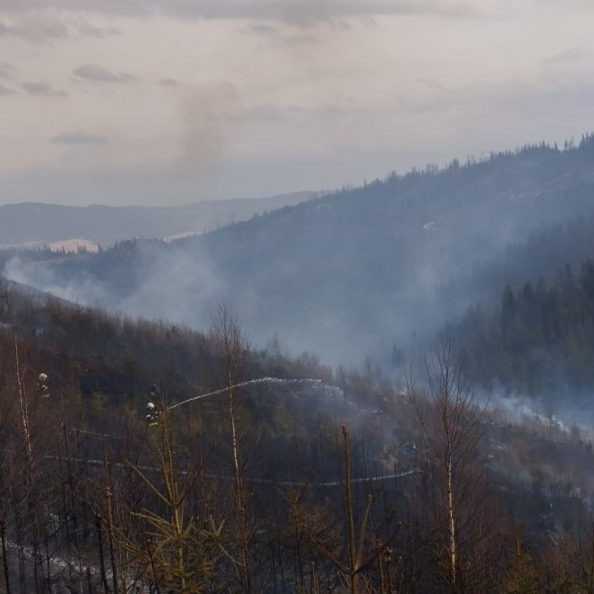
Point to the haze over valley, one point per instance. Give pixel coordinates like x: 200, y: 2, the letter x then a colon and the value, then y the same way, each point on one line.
x: 353, y: 273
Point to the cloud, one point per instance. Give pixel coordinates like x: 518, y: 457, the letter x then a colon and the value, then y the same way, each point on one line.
x: 42, y: 89
x: 6, y: 70
x: 35, y: 28
x: 41, y: 26
x: 566, y: 56
x: 96, y: 73
x: 86, y: 29
x: 265, y: 29
x: 168, y: 82
x: 285, y: 36
x: 303, y: 12
x: 5, y: 91
x: 297, y: 11
x: 79, y: 139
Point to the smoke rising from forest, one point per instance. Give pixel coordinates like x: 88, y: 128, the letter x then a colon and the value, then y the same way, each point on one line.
x: 362, y: 272
x: 381, y: 388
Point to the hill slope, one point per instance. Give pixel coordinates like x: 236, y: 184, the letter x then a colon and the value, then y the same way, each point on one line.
x: 538, y: 340
x: 350, y: 273
x: 89, y: 449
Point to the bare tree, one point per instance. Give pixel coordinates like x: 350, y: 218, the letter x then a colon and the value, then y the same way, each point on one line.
x: 451, y: 433
x: 231, y: 347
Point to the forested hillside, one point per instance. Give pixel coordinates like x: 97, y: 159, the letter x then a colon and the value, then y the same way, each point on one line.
x: 147, y: 455
x: 539, y: 340
x: 351, y: 273
x: 106, y: 347
x: 384, y: 385
x: 268, y: 487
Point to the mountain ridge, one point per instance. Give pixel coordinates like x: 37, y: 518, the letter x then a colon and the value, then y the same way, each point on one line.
x: 350, y: 273
x: 39, y: 222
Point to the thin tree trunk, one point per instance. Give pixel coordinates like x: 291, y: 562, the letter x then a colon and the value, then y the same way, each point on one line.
x: 28, y: 466
x: 90, y: 589
x: 98, y: 524
x: 109, y: 501
x: 19, y: 543
x: 382, y: 575
x: 48, y: 569
x: 591, y: 580
x: 452, y: 523
x: 348, y: 492
x: 5, y: 557
x: 239, y: 486
x: 316, y: 586
x: 23, y: 404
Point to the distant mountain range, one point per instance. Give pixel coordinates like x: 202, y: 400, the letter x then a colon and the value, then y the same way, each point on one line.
x: 354, y: 272
x: 36, y: 223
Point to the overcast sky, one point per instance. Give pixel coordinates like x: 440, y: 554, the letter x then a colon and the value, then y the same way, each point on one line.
x: 172, y: 101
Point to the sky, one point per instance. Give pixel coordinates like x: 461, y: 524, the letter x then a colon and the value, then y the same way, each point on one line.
x: 174, y: 101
